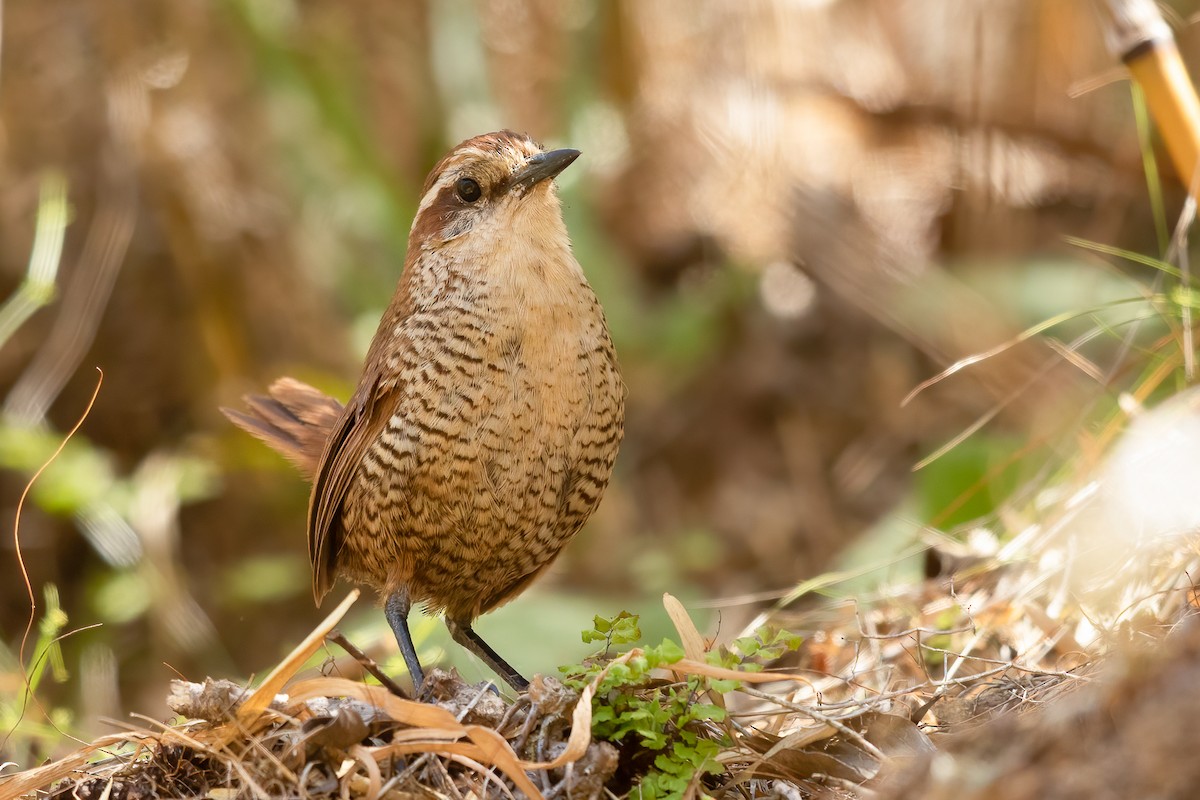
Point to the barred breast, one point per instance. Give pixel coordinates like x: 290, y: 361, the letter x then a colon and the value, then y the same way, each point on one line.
x: 507, y: 417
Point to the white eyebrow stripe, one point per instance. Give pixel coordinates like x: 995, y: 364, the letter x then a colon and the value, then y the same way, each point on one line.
x: 448, y: 173
x: 433, y: 192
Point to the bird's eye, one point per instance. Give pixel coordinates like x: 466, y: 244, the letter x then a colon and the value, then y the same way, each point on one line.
x: 468, y: 190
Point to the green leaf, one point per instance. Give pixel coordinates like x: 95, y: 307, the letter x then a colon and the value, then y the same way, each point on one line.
x: 703, y: 711
x: 791, y: 640
x: 672, y: 766
x: 618, y: 675
x: 658, y: 786
x: 724, y: 685
x: 721, y: 657
x: 652, y: 739
x: 625, y: 629
x: 666, y: 653
x: 747, y: 645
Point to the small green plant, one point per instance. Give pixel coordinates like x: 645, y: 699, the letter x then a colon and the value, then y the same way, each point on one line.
x: 27, y: 728
x: 766, y: 645
x: 621, y: 629
x: 671, y: 719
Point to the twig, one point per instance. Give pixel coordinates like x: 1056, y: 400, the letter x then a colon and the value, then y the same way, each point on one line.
x: 813, y: 714
x: 367, y: 663
x: 487, y: 687
x: 445, y: 779
x: 531, y: 719
x: 518, y: 705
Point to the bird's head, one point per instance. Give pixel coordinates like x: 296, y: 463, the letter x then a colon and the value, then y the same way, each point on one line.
x: 490, y: 189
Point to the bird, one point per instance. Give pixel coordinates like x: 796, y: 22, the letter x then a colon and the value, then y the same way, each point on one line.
x: 483, y: 430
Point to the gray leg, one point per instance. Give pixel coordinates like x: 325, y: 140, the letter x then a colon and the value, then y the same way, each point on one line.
x: 397, y: 609
x: 462, y: 633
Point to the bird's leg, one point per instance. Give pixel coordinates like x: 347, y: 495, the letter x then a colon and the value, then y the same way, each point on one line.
x: 462, y: 633
x: 396, y: 609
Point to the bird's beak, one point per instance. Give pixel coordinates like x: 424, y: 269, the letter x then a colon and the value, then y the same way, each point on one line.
x: 542, y: 167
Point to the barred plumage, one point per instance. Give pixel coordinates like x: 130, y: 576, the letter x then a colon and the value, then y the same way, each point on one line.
x: 483, y: 431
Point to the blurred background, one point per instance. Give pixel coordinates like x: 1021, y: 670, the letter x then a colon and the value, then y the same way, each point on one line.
x: 794, y: 212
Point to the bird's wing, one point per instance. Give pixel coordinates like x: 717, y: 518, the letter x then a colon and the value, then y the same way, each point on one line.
x: 359, y: 425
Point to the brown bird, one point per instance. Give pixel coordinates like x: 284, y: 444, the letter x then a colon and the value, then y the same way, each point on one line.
x: 483, y: 430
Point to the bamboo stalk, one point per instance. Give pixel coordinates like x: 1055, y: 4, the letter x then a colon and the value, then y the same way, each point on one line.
x: 1140, y: 37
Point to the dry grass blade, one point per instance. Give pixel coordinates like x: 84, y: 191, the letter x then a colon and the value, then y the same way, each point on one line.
x: 1029, y: 334
x: 434, y: 722
x: 435, y: 730
x: 691, y: 667
x: 258, y: 702
x: 495, y: 750
x: 690, y: 638
x: 508, y: 765
x: 24, y: 783
x: 408, y: 712
x: 374, y: 778
x: 483, y: 772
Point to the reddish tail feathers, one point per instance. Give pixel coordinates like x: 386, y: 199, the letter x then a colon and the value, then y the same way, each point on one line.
x: 294, y: 419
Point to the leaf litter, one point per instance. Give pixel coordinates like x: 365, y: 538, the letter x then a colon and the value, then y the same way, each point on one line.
x: 877, y: 686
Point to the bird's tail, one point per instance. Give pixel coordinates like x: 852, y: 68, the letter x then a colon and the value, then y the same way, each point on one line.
x: 293, y: 418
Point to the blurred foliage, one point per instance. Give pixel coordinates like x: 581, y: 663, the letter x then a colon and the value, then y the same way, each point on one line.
x: 969, y: 482
x: 84, y: 476
x: 38, y: 287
